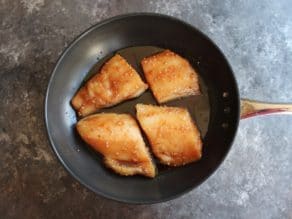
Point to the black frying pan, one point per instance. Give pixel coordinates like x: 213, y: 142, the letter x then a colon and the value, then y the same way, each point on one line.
x: 134, y: 36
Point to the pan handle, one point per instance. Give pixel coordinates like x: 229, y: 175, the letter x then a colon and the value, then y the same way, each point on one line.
x: 251, y: 108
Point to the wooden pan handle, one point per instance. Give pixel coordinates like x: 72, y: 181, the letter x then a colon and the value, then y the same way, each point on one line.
x: 250, y: 108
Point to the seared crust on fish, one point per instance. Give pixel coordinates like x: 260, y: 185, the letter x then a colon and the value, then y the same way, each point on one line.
x: 175, y: 140
x: 115, y: 82
x: 118, y: 138
x: 170, y: 76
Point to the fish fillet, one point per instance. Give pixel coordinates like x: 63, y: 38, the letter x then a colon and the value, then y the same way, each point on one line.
x: 170, y: 76
x: 117, y: 81
x: 118, y: 138
x: 175, y: 140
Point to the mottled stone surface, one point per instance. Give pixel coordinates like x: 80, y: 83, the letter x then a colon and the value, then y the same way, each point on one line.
x: 255, y: 181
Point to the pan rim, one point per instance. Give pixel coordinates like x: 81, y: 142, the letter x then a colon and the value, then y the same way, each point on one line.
x: 58, y: 62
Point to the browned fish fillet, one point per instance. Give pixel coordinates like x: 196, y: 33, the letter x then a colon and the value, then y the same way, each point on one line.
x: 170, y: 76
x: 174, y: 138
x: 118, y: 138
x: 117, y: 81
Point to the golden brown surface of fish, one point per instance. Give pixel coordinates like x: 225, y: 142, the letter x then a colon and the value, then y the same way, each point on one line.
x: 118, y: 138
x: 175, y: 140
x: 170, y: 76
x: 115, y: 82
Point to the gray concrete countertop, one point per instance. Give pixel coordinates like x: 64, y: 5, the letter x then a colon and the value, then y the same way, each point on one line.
x: 255, y: 181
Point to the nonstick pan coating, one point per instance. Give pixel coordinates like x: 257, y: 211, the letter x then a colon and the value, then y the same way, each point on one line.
x: 134, y: 36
